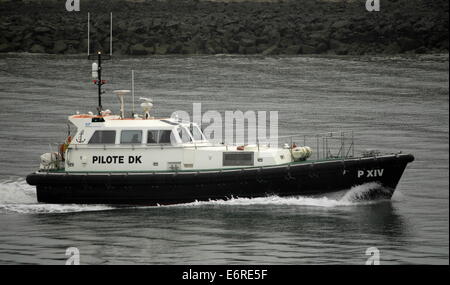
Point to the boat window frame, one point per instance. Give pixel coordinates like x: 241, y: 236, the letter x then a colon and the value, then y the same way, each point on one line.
x: 102, y: 143
x: 131, y: 130
x: 157, y: 136
x: 158, y: 142
x: 199, y: 130
x: 185, y: 130
x: 174, y: 140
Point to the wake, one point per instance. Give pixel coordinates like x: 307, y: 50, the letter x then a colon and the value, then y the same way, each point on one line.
x: 368, y: 193
x: 16, y: 196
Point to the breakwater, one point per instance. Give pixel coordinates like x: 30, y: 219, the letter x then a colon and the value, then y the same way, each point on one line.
x: 204, y: 27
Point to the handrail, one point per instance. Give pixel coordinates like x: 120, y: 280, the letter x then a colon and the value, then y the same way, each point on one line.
x: 328, y: 144
x: 325, y: 145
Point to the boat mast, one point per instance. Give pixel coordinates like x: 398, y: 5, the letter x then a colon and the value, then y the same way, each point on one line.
x: 99, y: 82
x: 97, y: 70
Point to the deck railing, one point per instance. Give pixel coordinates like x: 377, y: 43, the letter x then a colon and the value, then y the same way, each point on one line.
x: 330, y: 145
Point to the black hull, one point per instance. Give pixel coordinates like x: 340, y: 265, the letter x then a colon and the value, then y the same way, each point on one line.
x: 183, y: 187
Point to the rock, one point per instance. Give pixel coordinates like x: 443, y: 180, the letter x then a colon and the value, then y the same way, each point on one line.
x: 172, y: 24
x: 307, y: 49
x: 44, y: 40
x: 342, y: 50
x: 161, y: 49
x: 285, y: 42
x: 42, y: 30
x: 261, y: 48
x: 190, y: 48
x: 138, y: 49
x: 295, y: 49
x: 148, y: 43
x: 250, y: 50
x: 70, y: 49
x: 119, y: 48
x: 271, y: 50
x: 322, y: 47
x: 320, y: 37
x: 176, y: 48
x: 37, y: 49
x: 84, y: 44
x: 335, y: 44
x: 4, y: 47
x: 59, y: 47
x: 407, y: 44
x: 212, y: 47
x: 267, y: 27
x: 343, y: 34
x: 247, y: 42
x: 340, y: 24
x: 392, y: 48
x: 444, y: 45
x: 261, y: 40
x: 140, y: 29
x: 421, y: 50
x: 231, y: 46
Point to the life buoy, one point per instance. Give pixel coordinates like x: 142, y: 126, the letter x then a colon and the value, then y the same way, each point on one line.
x: 63, y: 147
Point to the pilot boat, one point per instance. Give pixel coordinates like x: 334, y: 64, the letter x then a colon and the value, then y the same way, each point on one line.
x: 142, y: 160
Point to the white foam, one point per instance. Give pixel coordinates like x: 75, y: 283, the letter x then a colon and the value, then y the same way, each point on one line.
x: 16, y: 191
x: 362, y: 192
x: 18, y: 197
x: 272, y: 200
x: 357, y: 195
x: 52, y: 208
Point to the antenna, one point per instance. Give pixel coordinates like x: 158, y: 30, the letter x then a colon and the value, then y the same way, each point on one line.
x: 89, y: 32
x: 110, y: 36
x: 97, y: 67
x: 120, y: 94
x: 132, y: 89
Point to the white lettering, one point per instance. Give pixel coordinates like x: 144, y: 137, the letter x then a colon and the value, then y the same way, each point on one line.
x: 74, y: 256
x: 374, y: 258
x: 73, y: 5
x: 214, y: 131
x: 194, y: 275
x: 373, y: 5
x: 240, y: 128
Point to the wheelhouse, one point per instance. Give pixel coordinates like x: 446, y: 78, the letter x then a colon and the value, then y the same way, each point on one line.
x: 140, y: 132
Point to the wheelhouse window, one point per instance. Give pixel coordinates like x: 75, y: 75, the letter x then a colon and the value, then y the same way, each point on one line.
x: 196, y: 133
x: 184, y: 135
x: 103, y: 137
x: 131, y: 137
x: 165, y: 136
x: 152, y: 137
x: 159, y: 136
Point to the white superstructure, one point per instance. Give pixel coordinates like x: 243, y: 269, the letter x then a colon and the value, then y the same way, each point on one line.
x: 111, y: 143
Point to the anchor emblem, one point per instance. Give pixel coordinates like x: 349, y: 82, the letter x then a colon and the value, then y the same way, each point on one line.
x: 80, y: 138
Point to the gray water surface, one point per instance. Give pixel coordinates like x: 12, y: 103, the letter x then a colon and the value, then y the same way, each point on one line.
x: 391, y: 103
